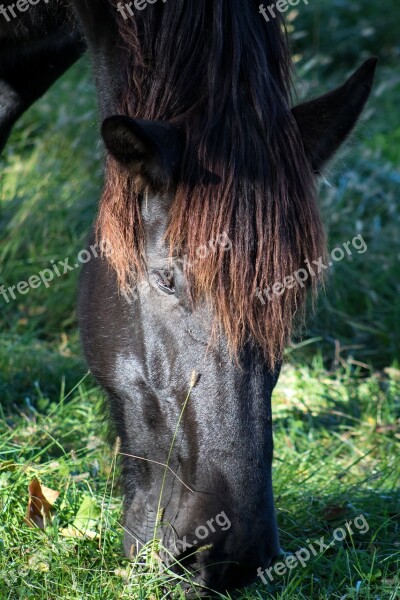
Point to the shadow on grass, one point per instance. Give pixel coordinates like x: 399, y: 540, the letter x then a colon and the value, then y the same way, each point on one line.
x: 34, y: 373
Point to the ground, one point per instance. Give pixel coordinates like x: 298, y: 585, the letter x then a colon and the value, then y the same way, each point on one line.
x: 337, y: 405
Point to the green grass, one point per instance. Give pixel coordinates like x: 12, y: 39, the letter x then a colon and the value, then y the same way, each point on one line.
x: 337, y: 407
x: 336, y: 440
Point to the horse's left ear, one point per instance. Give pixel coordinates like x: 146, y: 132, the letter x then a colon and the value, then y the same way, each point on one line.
x: 326, y: 122
x: 151, y: 150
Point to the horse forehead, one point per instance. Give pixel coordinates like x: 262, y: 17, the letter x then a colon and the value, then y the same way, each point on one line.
x: 155, y: 211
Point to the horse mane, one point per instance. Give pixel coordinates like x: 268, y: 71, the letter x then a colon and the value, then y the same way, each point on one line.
x: 224, y: 73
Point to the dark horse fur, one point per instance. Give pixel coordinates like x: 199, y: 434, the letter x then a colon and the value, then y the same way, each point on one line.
x: 204, y: 151
x: 36, y: 48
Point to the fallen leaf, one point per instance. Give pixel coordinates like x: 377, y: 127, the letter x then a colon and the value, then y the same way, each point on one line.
x: 80, y: 477
x: 331, y: 513
x: 8, y: 465
x: 388, y: 428
x: 393, y: 373
x: 122, y: 573
x: 85, y: 521
x: 72, y: 532
x: 38, y: 565
x: 41, y: 501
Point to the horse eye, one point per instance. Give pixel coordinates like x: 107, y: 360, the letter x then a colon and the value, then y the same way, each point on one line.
x: 165, y: 281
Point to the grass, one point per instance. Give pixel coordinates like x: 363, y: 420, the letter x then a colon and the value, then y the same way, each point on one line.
x: 336, y: 437
x: 337, y: 406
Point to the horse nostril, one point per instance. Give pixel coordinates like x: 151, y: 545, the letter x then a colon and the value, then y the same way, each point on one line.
x: 186, y: 561
x: 226, y: 563
x: 206, y: 574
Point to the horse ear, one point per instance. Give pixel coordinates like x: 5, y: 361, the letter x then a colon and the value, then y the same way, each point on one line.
x: 150, y: 149
x: 326, y: 122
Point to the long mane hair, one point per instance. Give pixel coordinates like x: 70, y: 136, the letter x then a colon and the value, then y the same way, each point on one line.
x: 220, y: 70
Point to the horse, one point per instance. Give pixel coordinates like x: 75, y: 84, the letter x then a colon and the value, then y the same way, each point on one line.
x: 209, y: 196
x: 36, y: 47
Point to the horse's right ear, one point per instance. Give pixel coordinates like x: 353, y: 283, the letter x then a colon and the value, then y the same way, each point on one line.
x: 151, y: 150
x: 326, y: 122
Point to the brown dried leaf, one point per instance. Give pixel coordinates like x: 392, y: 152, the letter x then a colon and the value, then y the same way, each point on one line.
x: 41, y: 501
x: 331, y: 513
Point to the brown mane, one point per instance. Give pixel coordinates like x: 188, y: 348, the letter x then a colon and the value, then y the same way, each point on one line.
x: 224, y: 72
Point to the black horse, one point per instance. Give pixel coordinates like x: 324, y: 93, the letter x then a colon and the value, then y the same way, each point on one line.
x: 36, y: 47
x: 209, y: 196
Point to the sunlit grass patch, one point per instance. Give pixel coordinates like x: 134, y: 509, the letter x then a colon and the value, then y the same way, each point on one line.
x: 336, y: 438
